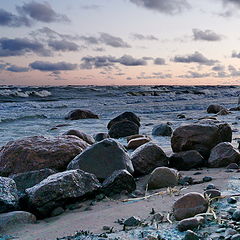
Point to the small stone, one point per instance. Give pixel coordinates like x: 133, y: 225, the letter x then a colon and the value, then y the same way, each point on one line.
x: 207, y: 179
x: 232, y: 166
x: 236, y: 215
x: 236, y: 237
x: 186, y: 180
x: 232, y: 200
x: 106, y: 228
x: 231, y: 210
x: 190, y: 223
x: 190, y: 235
x: 197, y: 173
x: 57, y: 211
x: 158, y: 217
x: 212, y: 193
x: 132, y: 221
x: 210, y: 186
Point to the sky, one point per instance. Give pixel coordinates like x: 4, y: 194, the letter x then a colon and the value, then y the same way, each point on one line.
x: 120, y: 42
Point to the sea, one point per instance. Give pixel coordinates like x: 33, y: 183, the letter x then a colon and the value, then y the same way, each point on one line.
x: 29, y: 111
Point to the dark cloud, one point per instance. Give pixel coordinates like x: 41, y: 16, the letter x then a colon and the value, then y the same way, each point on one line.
x: 91, y: 7
x: 218, y: 68
x: 17, y: 69
x: 233, y: 71
x: 109, y: 61
x: 138, y: 36
x: 230, y: 8
x: 163, y: 6
x: 21, y: 46
x: 235, y: 54
x: 48, y: 66
x: 159, y: 61
x: 42, y: 12
x: 10, y: 20
x: 192, y: 74
x: 195, y: 58
x: 63, y: 45
x: 206, y: 35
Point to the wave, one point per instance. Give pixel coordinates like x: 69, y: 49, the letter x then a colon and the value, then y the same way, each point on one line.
x: 24, y: 94
x: 28, y: 117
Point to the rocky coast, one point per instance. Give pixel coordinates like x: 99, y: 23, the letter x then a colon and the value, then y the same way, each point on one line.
x: 121, y: 184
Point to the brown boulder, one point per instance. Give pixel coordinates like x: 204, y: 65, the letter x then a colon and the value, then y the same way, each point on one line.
x: 38, y: 152
x: 200, y: 137
x: 80, y: 114
x: 222, y: 155
x: 189, y: 205
x: 85, y: 137
x: 137, y: 142
x: 190, y: 223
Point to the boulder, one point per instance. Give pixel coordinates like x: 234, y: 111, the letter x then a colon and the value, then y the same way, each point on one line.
x: 162, y: 130
x: 137, y: 142
x: 102, y: 159
x: 214, y: 108
x: 123, y: 128
x: 38, y: 152
x: 185, y: 161
x: 200, y: 137
x: 100, y: 136
x: 80, y: 114
x: 148, y: 157
x: 132, y: 117
x: 163, y: 177
x: 189, y: 205
x: 85, y: 137
x: 60, y: 188
x: 119, y: 181
x: 12, y: 219
x: 8, y: 195
x: 29, y: 179
x: 222, y: 155
x: 190, y: 223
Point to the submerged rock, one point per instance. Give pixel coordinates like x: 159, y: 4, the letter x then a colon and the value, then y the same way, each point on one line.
x: 8, y: 195
x: 101, y: 136
x: 123, y: 128
x: 214, y: 108
x: 129, y: 116
x: 148, y: 157
x: 85, y: 137
x: 102, y: 159
x: 186, y: 160
x: 38, y: 152
x: 29, y: 179
x: 163, y: 177
x: 189, y: 205
x: 162, y: 130
x: 60, y: 188
x: 119, y: 181
x: 80, y: 114
x: 222, y: 155
x: 200, y: 137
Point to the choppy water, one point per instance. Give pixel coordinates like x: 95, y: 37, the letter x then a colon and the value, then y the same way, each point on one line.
x: 27, y: 111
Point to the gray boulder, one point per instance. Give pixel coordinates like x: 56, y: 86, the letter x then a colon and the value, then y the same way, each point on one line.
x: 200, y: 137
x: 60, y: 188
x: 222, y: 155
x: 214, y: 108
x: 162, y: 130
x: 29, y: 179
x: 119, y: 181
x: 102, y: 159
x: 8, y: 195
x: 12, y: 219
x: 85, y: 137
x: 148, y: 157
x: 100, y: 136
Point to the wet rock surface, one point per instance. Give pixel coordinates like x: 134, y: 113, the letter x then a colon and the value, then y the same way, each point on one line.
x: 80, y: 114
x: 85, y: 137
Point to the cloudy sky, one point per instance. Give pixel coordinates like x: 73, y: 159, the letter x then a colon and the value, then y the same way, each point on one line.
x: 114, y: 42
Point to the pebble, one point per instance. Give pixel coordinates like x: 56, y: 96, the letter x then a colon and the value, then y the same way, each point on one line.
x: 207, y: 179
x: 236, y: 237
x: 211, y: 186
x: 132, y: 221
x: 158, y: 217
x: 190, y: 235
x: 236, y: 215
x: 232, y: 200
x: 197, y: 173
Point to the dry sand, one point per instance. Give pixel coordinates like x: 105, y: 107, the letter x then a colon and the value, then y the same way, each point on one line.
x: 106, y: 212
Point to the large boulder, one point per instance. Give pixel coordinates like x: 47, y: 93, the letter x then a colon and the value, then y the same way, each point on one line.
x: 8, y: 195
x: 222, y: 155
x: 123, y: 128
x: 185, y: 161
x: 102, y: 159
x: 120, y: 180
x: 38, y: 152
x: 59, y: 189
x: 12, y: 219
x: 29, y: 179
x: 85, y: 137
x: 200, y: 137
x: 214, y: 108
x: 162, y: 130
x: 148, y: 157
x: 80, y: 114
x: 132, y: 117
x: 163, y: 177
x: 189, y: 205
